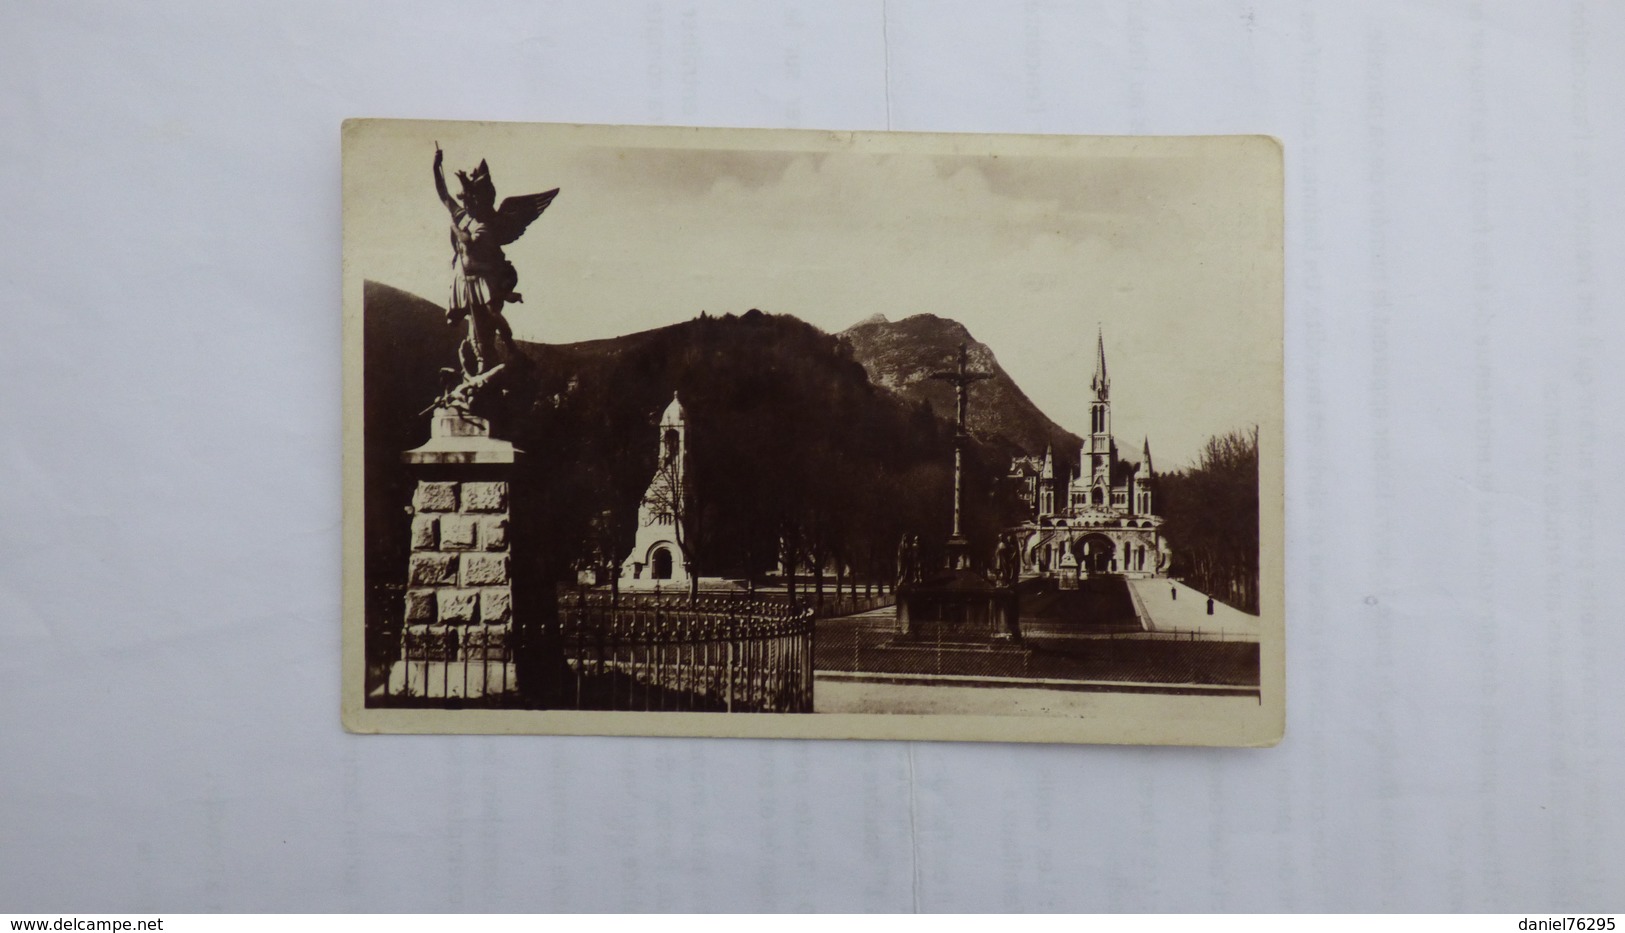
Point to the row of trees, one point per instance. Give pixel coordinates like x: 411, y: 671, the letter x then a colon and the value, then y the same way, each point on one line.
x: 1210, y: 514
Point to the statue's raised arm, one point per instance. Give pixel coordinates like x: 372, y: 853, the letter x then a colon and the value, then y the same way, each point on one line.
x: 440, y: 180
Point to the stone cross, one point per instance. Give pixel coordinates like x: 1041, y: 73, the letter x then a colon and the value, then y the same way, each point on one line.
x: 961, y: 379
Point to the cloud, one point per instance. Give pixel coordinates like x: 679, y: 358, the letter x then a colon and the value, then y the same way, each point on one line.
x: 689, y: 172
x: 1122, y: 186
x: 1161, y: 243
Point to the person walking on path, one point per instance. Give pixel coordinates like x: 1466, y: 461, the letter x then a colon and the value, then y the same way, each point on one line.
x: 1210, y: 605
x: 1173, y: 591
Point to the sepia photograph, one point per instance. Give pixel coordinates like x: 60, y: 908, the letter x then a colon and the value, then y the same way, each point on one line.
x: 784, y: 456
x: 869, y: 435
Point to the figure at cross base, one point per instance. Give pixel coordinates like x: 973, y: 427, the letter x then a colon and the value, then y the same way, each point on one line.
x: 902, y: 560
x: 1007, y: 561
x: 483, y: 280
x: 908, y: 559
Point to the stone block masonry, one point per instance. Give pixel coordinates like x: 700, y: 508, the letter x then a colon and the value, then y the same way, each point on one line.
x: 485, y: 497
x: 456, y: 607
x: 420, y: 607
x: 494, y: 533
x: 432, y: 570
x: 485, y: 569
x: 425, y: 532
x: 459, y: 597
x: 496, y: 606
x: 459, y: 532
x: 435, y: 497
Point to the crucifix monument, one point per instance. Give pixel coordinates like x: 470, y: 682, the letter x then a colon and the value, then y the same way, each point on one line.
x: 961, y: 378
x: 958, y: 605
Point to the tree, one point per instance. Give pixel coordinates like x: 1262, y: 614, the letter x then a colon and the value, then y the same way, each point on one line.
x: 1210, y: 514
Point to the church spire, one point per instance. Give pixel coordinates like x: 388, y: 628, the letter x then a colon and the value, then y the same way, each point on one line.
x: 1147, y: 455
x: 1101, y: 384
x: 674, y: 414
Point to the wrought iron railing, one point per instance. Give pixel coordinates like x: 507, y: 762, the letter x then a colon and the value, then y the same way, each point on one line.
x: 636, y: 652
x: 716, y: 654
x: 435, y: 665
x: 829, y: 606
x: 468, y: 665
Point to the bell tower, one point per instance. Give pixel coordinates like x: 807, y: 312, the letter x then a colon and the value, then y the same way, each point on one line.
x: 672, y: 469
x: 674, y: 437
x: 1097, y: 452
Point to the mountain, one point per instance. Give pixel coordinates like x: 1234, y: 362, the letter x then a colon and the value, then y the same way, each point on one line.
x: 901, y: 357
x: 791, y: 442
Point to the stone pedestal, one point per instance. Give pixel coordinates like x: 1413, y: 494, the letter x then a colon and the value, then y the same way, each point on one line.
x: 1068, y: 572
x: 457, y: 641
x: 957, y: 551
x: 958, y: 607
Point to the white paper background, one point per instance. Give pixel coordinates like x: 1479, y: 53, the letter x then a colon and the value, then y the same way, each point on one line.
x: 169, y: 479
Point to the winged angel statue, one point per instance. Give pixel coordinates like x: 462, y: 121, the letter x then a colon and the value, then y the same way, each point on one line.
x: 483, y: 279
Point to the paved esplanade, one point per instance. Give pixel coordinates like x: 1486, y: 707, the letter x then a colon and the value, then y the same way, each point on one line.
x: 843, y: 696
x: 1189, y: 611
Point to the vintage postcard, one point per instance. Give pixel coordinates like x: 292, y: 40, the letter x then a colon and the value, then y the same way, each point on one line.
x: 670, y: 431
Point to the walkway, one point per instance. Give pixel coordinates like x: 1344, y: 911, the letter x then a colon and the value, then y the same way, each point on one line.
x: 833, y: 695
x: 1189, y: 611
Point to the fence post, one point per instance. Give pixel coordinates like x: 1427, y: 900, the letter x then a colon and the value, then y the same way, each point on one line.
x: 810, y: 668
x: 728, y: 679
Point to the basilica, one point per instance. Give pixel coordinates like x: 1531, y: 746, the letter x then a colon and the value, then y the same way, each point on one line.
x: 1101, y: 521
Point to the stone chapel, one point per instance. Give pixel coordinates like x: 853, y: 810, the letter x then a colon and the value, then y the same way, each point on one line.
x: 657, y: 558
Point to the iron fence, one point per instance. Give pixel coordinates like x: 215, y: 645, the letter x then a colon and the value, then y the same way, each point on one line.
x: 434, y: 665
x: 450, y: 666
x: 829, y: 606
x: 710, y: 654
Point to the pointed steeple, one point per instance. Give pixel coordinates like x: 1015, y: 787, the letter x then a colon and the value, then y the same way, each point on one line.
x: 674, y: 414
x: 1101, y: 383
x: 1048, y: 471
x: 1147, y: 455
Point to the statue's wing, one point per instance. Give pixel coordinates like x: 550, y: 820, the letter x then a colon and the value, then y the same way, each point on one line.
x: 516, y: 213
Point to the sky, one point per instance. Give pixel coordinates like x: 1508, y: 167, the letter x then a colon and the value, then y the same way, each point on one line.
x: 1171, y: 247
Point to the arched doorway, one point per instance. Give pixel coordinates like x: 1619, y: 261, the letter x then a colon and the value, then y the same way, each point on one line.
x: 660, y: 564
x: 1095, y: 553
